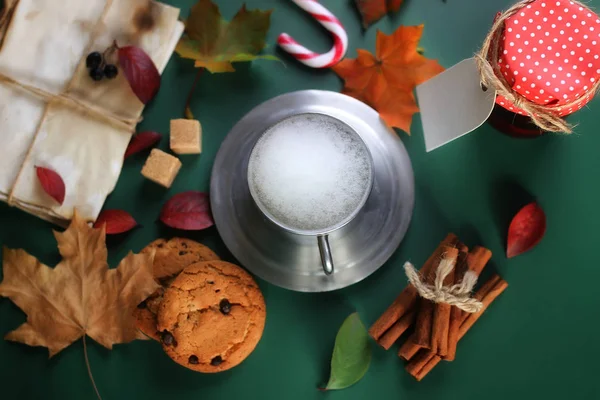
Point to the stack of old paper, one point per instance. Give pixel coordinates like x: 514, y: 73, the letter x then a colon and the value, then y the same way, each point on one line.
x: 43, y: 47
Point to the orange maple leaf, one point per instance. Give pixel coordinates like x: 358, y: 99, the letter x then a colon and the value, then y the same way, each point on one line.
x: 372, y: 10
x: 387, y: 80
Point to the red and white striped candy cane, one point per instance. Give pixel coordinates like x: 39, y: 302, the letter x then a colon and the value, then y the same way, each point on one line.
x: 332, y: 24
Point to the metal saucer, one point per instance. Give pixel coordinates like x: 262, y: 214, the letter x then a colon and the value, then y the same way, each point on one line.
x: 293, y: 261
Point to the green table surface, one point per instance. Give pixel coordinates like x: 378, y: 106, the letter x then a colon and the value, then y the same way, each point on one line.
x: 538, y: 340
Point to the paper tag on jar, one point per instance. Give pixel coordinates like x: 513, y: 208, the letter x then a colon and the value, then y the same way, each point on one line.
x: 453, y: 104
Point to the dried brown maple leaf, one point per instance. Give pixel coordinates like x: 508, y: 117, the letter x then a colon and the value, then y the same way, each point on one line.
x: 80, y: 296
x: 373, y: 10
x: 386, y: 80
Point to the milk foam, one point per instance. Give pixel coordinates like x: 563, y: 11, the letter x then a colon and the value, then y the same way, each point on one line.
x: 310, y: 172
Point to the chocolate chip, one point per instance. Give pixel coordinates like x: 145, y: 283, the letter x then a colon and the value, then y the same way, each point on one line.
x: 183, y: 253
x: 216, y: 361
x: 194, y: 360
x: 142, y: 305
x: 225, y: 306
x: 168, y: 339
x: 160, y: 246
x: 210, y: 282
x: 217, y: 291
x: 184, y: 245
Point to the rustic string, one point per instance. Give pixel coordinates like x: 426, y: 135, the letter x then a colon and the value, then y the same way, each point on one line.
x: 456, y: 295
x: 67, y: 100
x: 546, y: 117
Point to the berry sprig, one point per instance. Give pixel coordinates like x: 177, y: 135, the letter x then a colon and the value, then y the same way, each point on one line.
x: 137, y: 66
x: 98, y: 67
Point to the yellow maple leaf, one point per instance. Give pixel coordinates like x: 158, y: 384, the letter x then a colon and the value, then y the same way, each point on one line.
x: 215, y: 44
x: 386, y: 80
x: 81, y: 295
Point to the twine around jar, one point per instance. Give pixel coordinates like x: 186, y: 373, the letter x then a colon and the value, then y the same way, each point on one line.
x: 546, y: 117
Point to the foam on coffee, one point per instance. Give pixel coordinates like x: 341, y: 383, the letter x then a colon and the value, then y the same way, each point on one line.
x: 310, y: 172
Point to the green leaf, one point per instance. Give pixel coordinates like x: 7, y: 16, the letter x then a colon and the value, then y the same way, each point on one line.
x: 215, y: 43
x: 351, y: 355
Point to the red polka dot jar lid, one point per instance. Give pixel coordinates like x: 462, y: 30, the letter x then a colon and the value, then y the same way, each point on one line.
x: 550, y: 54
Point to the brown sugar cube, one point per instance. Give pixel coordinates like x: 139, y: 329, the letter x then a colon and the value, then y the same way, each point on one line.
x: 161, y: 168
x: 186, y: 135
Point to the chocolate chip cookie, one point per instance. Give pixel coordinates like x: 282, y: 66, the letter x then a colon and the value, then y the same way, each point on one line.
x: 171, y: 257
x: 212, y: 316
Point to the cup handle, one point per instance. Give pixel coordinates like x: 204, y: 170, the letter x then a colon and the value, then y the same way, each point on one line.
x: 325, y: 251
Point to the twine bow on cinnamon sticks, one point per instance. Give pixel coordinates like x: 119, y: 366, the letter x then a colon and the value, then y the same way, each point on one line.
x: 545, y: 116
x: 456, y: 295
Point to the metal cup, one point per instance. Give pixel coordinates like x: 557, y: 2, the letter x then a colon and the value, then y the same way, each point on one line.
x: 322, y: 235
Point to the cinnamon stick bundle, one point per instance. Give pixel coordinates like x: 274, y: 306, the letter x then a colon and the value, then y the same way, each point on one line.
x: 424, y: 360
x: 405, y: 303
x: 424, y: 323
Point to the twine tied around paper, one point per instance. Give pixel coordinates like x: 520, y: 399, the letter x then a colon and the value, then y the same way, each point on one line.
x: 66, y: 99
x: 546, y: 117
x: 456, y: 295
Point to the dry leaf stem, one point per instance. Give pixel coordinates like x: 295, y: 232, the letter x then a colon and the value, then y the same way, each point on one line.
x: 89, y: 369
x: 188, y: 111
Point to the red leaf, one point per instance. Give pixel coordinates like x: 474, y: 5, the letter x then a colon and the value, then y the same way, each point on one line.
x: 188, y: 211
x: 142, y: 141
x: 526, y: 230
x: 116, y: 221
x: 140, y: 71
x: 373, y: 10
x: 52, y: 183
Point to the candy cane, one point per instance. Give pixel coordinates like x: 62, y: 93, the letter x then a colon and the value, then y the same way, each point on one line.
x: 332, y: 24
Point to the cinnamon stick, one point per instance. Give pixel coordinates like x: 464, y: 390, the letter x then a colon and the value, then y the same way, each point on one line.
x: 424, y: 323
x: 425, y: 360
x: 441, y: 311
x: 476, y: 261
x: 489, y: 292
x: 389, y: 338
x: 435, y: 360
x: 407, y: 299
x: 419, y: 361
x: 409, y: 349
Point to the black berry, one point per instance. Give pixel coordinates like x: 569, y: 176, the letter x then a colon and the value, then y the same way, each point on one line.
x: 193, y: 360
x: 97, y: 74
x: 216, y: 361
x: 168, y: 339
x: 225, y: 306
x: 93, y: 60
x: 111, y: 71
